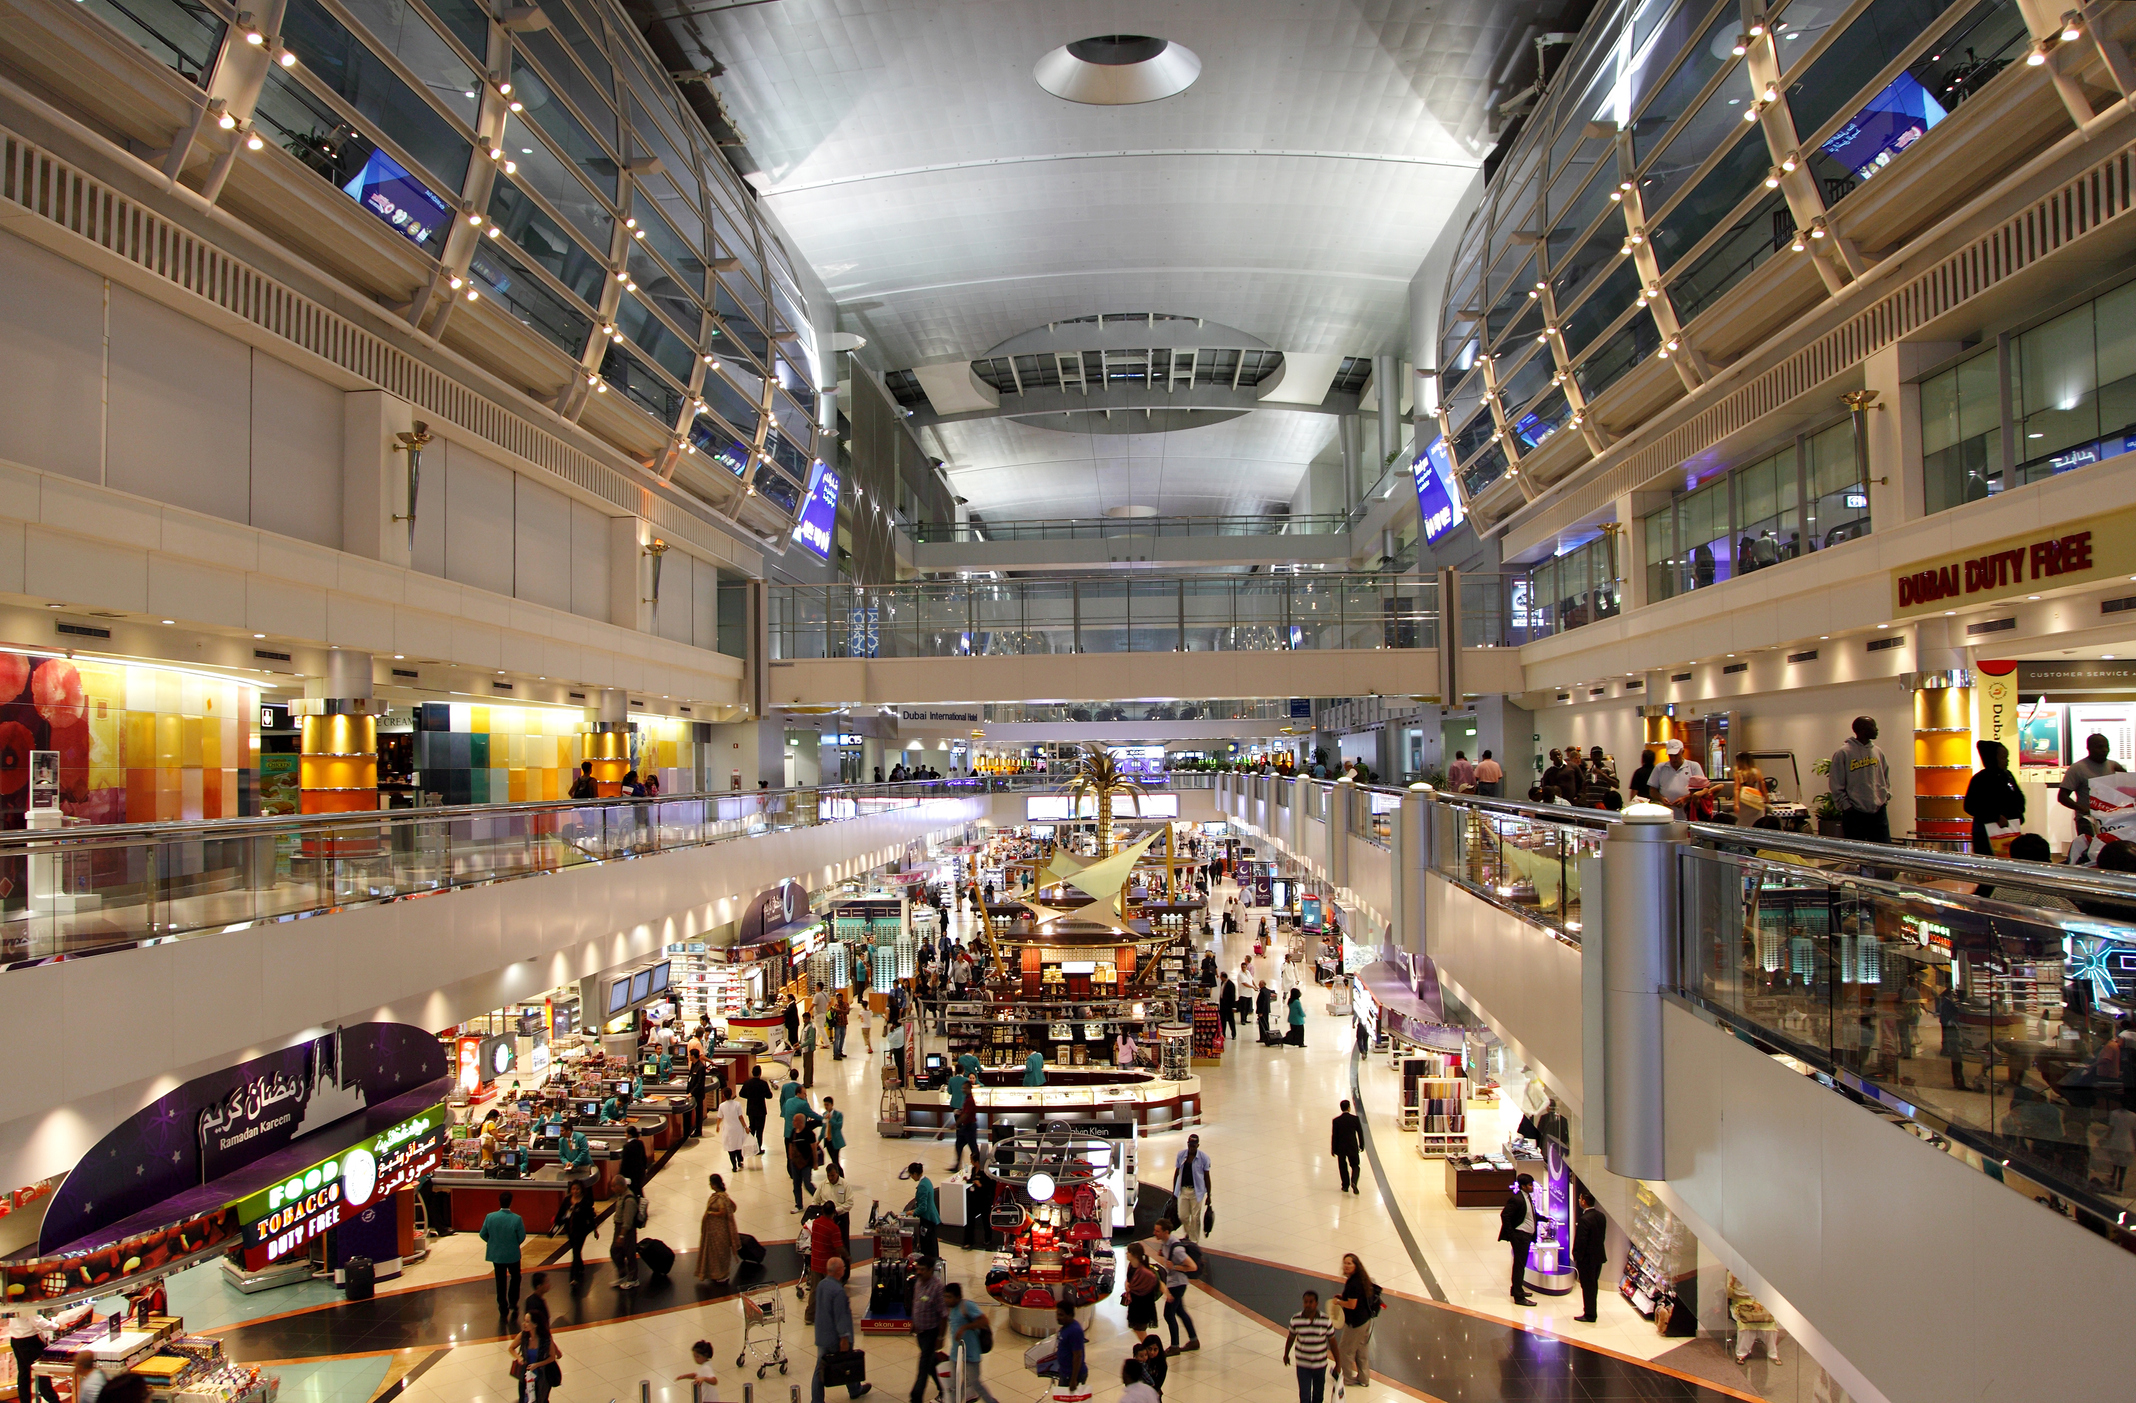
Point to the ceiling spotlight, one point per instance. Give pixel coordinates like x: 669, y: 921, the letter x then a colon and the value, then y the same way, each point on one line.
x: 2038, y: 55
x: 1741, y: 45
x: 286, y: 59
x: 1772, y: 178
x: 473, y: 295
x: 475, y: 220
x: 1789, y: 162
x: 253, y: 141
x: 256, y: 635
x: 601, y: 389
x: 2072, y: 27
x: 458, y: 283
x: 1757, y: 28
x: 226, y: 122
x: 172, y: 621
x: 495, y: 232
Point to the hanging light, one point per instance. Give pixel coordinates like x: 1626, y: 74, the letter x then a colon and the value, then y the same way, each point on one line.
x: 2038, y: 55
x: 1817, y: 227
x: 253, y: 141
x: 1757, y: 28
x: 1741, y: 45
x: 2072, y: 27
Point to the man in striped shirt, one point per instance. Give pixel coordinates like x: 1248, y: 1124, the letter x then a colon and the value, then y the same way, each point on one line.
x: 1309, y: 1333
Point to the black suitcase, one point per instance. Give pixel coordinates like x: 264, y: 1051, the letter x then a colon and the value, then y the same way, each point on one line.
x: 359, y: 1278
x: 750, y: 1250
x: 658, y: 1257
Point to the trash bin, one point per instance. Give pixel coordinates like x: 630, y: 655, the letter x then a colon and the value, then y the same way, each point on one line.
x: 359, y: 1278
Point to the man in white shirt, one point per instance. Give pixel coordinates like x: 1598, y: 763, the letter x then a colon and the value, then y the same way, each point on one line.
x: 1673, y: 781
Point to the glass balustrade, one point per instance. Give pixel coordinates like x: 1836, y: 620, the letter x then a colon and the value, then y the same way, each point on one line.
x: 1524, y: 857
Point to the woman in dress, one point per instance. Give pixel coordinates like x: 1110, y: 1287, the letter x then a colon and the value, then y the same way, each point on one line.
x: 719, y: 1237
x: 1143, y: 1288
x: 734, y: 1135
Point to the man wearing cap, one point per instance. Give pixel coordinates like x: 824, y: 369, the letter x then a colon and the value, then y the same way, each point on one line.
x: 1675, y: 778
x: 924, y: 1245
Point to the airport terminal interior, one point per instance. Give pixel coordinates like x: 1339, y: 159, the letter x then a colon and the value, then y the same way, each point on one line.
x: 716, y: 701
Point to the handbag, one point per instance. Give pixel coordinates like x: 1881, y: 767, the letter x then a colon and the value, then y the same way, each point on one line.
x: 849, y: 1366
x: 1208, y: 1220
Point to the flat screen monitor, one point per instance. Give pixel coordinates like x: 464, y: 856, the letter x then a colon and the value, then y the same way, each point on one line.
x: 641, y: 985
x: 935, y: 1062
x: 619, y: 996
x: 589, y: 1110
x: 660, y: 976
x: 622, y: 1088
x: 554, y: 1130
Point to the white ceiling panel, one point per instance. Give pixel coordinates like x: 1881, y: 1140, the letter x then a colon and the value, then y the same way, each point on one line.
x: 949, y: 203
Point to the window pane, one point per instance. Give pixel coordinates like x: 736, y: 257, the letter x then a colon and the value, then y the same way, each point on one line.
x: 1838, y: 76
x: 580, y: 42
x: 2057, y: 380
x: 731, y: 405
x: 1961, y: 434
x: 314, y: 133
x: 1608, y: 302
x: 1488, y: 467
x: 545, y: 242
x: 741, y: 335
x: 1567, y: 278
x: 592, y: 100
x: 543, y: 171
x: 1707, y: 57
x: 659, y: 286
x: 652, y: 336
x: 345, y: 67
x: 1509, y: 298
x: 181, y: 36
x: 503, y: 280
x: 406, y: 35
x: 1634, y: 342
x: 1713, y: 126
x: 1546, y: 417
x: 1714, y: 198
x: 1517, y: 387
x: 1752, y: 237
x: 557, y: 122
x: 467, y: 22
x: 637, y: 381
x: 1838, y: 499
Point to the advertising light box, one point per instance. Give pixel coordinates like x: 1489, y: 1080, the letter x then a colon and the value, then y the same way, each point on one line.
x: 819, y: 512
x: 1053, y: 808
x: 1438, y: 503
x: 285, y: 1217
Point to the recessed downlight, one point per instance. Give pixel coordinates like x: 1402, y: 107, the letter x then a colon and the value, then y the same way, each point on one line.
x: 1116, y: 70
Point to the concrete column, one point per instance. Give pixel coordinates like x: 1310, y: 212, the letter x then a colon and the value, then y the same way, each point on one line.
x: 376, y: 489
x: 1412, y: 859
x: 1387, y: 387
x: 1625, y: 964
x: 1340, y: 797
x: 608, y: 746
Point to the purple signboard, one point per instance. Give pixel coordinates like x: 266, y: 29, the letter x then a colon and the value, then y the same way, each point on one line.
x: 387, y: 190
x: 219, y: 1123
x: 819, y: 512
x: 1438, y: 503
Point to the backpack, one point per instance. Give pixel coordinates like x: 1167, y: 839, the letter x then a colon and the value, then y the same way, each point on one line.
x: 1183, y: 1244
x: 1374, y: 1304
x: 640, y: 1217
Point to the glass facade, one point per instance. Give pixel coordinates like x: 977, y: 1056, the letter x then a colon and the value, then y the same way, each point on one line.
x: 1571, y: 590
x: 384, y: 100
x: 1807, y: 497
x: 2072, y: 402
x: 1863, y: 83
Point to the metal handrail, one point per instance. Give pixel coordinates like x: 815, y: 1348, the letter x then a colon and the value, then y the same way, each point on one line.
x: 1969, y: 867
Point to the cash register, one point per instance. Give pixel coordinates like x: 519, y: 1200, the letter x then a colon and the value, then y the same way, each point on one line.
x: 511, y: 1164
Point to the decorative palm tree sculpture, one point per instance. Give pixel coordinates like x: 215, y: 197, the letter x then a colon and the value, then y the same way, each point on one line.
x: 1098, y: 775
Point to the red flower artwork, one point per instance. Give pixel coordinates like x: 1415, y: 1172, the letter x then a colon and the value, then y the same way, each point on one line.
x: 16, y: 743
x: 14, y: 673
x: 57, y: 689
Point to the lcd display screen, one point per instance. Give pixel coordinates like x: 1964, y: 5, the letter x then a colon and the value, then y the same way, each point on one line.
x: 819, y: 512
x: 641, y: 984
x: 1438, y: 504
x: 660, y: 976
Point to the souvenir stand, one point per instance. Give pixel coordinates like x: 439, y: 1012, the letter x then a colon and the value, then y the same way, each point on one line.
x: 1054, y: 1208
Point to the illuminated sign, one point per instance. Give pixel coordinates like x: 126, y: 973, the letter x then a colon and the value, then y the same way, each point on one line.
x: 2089, y: 551
x: 1895, y: 119
x: 1053, y: 808
x: 819, y: 513
x: 386, y: 189
x: 283, y: 1218
x: 1438, y: 503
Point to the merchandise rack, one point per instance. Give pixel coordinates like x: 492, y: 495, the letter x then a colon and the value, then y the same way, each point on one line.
x: 1435, y: 1103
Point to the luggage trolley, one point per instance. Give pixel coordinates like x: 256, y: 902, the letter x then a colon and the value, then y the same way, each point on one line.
x: 763, y: 1315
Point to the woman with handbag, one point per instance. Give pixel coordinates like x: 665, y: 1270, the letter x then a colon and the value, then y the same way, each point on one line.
x: 1140, y: 1297
x: 579, y: 1224
x: 535, y: 1360
x: 719, y: 1236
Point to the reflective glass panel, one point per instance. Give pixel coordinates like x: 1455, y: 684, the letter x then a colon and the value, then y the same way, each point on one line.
x: 406, y: 35
x: 183, y: 37
x: 595, y: 108
x: 1714, y: 198
x: 545, y: 242
x: 531, y: 301
x: 1752, y: 237
x: 1838, y: 506
x: 1708, y: 56
x: 334, y: 57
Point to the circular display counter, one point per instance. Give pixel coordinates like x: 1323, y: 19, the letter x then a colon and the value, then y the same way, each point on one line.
x: 1153, y: 1103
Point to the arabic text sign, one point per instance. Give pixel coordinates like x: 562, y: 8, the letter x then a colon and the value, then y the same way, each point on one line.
x: 282, y: 1218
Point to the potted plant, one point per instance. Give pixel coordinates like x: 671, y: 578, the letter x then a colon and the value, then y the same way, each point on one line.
x: 1823, y: 807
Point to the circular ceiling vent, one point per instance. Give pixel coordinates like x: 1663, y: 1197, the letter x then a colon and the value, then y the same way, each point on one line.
x: 1117, y: 69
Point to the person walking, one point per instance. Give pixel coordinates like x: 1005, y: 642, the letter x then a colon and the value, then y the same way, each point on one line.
x: 1141, y: 1292
x: 1190, y: 1186
x: 2074, y: 792
x: 1861, y: 785
x: 534, y: 1355
x: 967, y: 1118
x: 1673, y: 781
x: 636, y: 1163
x: 929, y: 1313
x: 1359, y: 1303
x: 733, y: 1131
x: 1588, y: 1232
x: 834, y: 1326
x: 623, y: 1239
x: 866, y: 1018
x: 1305, y: 1348
x: 1227, y: 1005
x: 838, y: 1030
x: 1297, y: 1018
x: 808, y: 1054
x: 834, y: 1140
x: 719, y: 1236
x: 579, y: 1223
x: 1264, y: 1003
x: 695, y: 1087
x: 790, y: 1019
x: 894, y: 1051
x: 1135, y: 1384
x: 1177, y: 1264
x: 1992, y: 796
x: 756, y: 1093
x: 503, y: 1233
x: 1516, y: 1225
x: 801, y: 1153
x: 1490, y: 776
x: 968, y: 1329
x: 1346, y: 1142
x: 28, y: 1332
x: 1461, y: 773
x: 1071, y: 1360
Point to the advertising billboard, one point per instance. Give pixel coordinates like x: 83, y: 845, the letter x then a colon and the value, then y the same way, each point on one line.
x: 819, y: 512
x: 1438, y: 503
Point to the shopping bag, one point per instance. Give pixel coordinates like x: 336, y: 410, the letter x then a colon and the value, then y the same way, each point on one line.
x: 2001, y: 836
x: 1208, y: 1220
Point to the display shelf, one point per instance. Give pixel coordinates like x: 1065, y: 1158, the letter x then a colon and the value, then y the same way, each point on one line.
x: 1659, y: 1253
x: 1435, y: 1103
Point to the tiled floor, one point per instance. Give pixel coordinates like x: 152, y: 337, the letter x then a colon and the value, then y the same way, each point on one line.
x: 1280, y: 1222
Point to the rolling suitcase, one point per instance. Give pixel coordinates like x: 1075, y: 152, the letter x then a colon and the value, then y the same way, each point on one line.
x: 658, y: 1257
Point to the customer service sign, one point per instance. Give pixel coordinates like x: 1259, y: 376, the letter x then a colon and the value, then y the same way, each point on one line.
x: 2078, y: 553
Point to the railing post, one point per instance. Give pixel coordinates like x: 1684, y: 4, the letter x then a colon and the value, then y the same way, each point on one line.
x: 1624, y: 966
x: 1342, y: 797
x: 1412, y: 864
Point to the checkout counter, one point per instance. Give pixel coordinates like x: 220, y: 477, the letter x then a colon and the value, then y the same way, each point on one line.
x: 1155, y: 1104
x: 537, y: 1197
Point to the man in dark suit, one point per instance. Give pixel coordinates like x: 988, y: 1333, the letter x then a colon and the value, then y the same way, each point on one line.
x: 1346, y: 1144
x: 1263, y: 1001
x: 635, y: 1161
x: 1588, y: 1228
x: 1227, y: 1008
x: 1517, y: 1224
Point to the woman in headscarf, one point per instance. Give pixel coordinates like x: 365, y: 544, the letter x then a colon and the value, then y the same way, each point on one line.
x: 718, y: 1236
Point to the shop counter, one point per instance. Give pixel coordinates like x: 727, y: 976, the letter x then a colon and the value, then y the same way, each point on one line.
x: 1153, y: 1103
x: 767, y: 1028
x: 672, y: 1114
x: 538, y: 1198
x: 606, y: 1167
x: 652, y: 1125
x: 1477, y: 1183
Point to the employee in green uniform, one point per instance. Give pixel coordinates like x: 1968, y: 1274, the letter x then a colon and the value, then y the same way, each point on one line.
x: 968, y: 1063
x: 1035, y: 1069
x: 661, y: 1063
x: 611, y: 1111
x: 573, y: 1152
